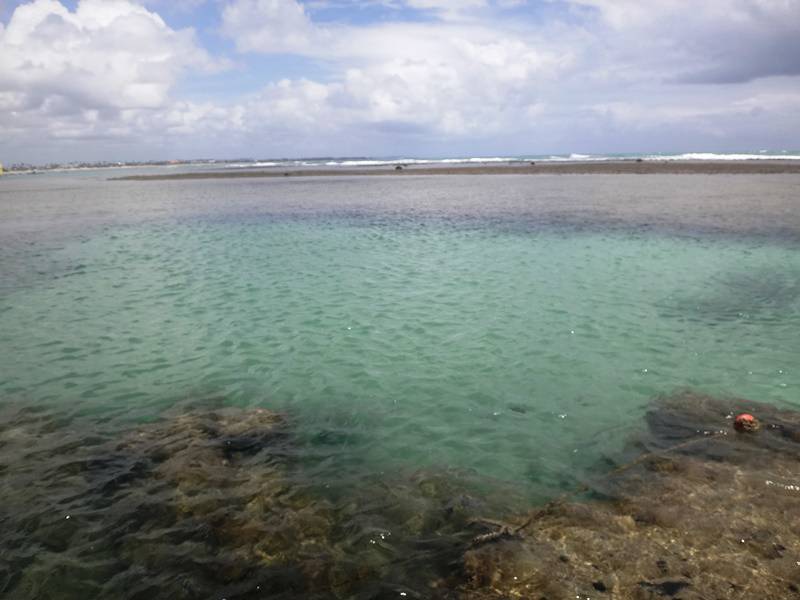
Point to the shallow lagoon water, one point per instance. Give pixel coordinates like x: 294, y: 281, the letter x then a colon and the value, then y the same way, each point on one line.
x: 511, y: 330
x: 446, y: 329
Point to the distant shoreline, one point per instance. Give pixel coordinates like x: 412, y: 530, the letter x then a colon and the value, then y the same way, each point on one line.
x: 623, y: 167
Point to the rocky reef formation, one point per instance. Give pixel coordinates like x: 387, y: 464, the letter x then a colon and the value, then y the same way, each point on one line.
x: 702, y: 512
x: 169, y: 509
x: 209, y: 503
x: 214, y: 503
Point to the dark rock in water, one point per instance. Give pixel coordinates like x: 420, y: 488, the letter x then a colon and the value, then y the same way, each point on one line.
x: 226, y: 431
x: 208, y: 503
x: 225, y: 479
x: 742, y: 294
x: 398, y: 168
x: 665, y: 588
x: 211, y: 504
x: 704, y: 513
x: 533, y: 163
x: 688, y: 416
x: 185, y: 507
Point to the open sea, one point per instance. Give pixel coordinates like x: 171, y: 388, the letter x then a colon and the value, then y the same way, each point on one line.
x: 422, y: 338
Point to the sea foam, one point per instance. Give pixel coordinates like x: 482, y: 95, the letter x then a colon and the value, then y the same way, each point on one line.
x: 716, y: 156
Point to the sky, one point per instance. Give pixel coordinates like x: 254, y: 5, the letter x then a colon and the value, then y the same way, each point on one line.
x: 92, y: 80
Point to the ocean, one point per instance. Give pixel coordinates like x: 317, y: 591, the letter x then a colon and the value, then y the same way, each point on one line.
x: 493, y: 338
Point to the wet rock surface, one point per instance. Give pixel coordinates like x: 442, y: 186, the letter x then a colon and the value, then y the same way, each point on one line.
x: 209, y: 503
x: 212, y: 503
x: 172, y: 508
x: 702, y: 512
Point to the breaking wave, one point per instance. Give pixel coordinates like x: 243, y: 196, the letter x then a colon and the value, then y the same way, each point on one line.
x: 715, y: 156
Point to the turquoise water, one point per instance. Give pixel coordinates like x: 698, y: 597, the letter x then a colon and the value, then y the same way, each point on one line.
x: 520, y: 350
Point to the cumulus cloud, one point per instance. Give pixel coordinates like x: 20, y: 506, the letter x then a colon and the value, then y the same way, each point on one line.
x: 269, y: 26
x: 455, y: 78
x: 463, y: 76
x: 72, y: 71
x: 717, y: 42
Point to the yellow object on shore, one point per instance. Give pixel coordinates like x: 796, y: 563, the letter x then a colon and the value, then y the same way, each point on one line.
x: 1, y: 169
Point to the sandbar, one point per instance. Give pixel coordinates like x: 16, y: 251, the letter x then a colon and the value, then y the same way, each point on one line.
x: 626, y: 167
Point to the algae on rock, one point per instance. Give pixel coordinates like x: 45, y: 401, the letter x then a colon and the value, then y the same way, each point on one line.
x: 718, y: 516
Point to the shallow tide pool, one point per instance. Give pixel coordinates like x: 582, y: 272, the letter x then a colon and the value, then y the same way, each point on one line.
x: 515, y: 346
x: 512, y: 330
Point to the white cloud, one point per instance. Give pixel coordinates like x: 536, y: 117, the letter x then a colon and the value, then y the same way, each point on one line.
x: 269, y: 26
x: 715, y: 41
x: 455, y: 78
x: 288, y: 105
x: 68, y: 73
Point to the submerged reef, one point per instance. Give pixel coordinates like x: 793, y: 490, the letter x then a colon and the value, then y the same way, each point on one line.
x: 702, y: 512
x: 207, y: 503
x: 214, y: 503
x: 744, y: 294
